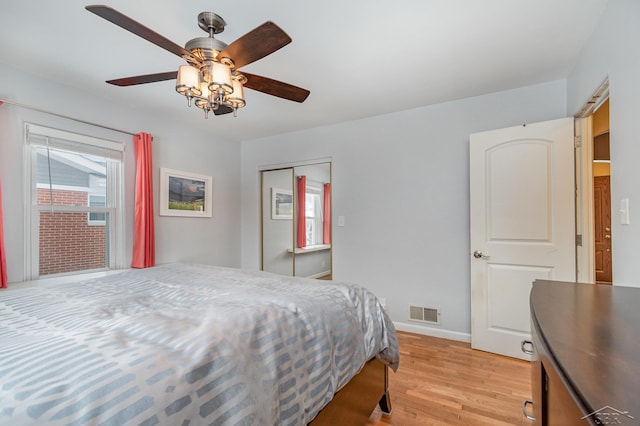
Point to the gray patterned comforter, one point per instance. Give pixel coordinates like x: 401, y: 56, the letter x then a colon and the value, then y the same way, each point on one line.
x: 184, y: 345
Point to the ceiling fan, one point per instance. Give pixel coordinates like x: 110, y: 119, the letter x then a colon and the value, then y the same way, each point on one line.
x: 212, y: 77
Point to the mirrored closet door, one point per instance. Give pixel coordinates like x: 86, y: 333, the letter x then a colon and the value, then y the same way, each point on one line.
x: 296, y: 221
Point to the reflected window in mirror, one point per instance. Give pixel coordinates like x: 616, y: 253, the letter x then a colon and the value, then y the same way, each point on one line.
x: 313, y: 215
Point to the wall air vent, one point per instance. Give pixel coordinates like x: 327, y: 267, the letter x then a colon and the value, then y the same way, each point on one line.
x: 420, y: 313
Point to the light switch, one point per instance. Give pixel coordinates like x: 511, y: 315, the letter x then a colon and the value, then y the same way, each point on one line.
x: 624, y: 211
x: 340, y: 220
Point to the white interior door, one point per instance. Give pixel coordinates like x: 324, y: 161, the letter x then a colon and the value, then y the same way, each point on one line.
x: 522, y: 226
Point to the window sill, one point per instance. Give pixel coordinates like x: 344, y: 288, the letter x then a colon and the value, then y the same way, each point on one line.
x: 63, y: 279
x: 311, y: 249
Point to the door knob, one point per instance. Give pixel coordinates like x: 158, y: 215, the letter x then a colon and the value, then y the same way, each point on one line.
x: 608, y: 237
x: 478, y: 255
x: 607, y: 229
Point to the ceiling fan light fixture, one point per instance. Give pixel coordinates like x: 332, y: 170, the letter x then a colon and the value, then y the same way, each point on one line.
x: 188, y: 82
x: 211, y: 77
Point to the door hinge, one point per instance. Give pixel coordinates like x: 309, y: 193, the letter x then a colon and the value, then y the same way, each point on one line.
x: 577, y: 142
x: 579, y: 240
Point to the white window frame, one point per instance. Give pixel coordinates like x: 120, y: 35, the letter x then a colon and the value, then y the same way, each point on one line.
x: 36, y: 135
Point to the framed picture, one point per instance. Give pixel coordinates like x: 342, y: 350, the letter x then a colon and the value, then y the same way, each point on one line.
x: 185, y: 194
x: 281, y: 203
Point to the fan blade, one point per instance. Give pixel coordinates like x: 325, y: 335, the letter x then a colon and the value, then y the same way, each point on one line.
x: 222, y: 109
x: 256, y: 44
x: 142, y: 79
x: 138, y: 29
x: 275, y: 88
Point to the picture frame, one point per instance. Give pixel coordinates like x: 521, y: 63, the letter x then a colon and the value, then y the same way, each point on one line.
x: 281, y: 204
x: 185, y: 194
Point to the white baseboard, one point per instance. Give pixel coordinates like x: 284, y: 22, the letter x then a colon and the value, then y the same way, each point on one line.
x: 319, y: 274
x: 434, y: 332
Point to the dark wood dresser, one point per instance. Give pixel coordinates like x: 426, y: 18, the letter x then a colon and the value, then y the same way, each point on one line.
x: 586, y: 351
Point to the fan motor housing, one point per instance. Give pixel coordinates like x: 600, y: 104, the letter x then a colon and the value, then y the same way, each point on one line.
x: 205, y: 48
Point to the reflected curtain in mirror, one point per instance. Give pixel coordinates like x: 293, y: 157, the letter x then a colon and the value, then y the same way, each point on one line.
x: 326, y: 214
x: 301, y: 209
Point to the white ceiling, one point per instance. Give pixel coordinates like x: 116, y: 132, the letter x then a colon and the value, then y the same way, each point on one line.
x: 358, y: 58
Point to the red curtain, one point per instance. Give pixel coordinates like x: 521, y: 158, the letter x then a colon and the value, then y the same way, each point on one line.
x: 302, y: 221
x: 3, y: 257
x: 144, y: 252
x: 326, y: 215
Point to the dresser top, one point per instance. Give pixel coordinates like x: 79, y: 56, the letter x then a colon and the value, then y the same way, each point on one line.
x: 592, y: 333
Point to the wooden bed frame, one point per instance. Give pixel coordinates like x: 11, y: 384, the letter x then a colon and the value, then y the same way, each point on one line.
x: 354, y: 403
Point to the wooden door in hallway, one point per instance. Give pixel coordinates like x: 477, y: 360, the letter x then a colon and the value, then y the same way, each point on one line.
x: 602, y: 228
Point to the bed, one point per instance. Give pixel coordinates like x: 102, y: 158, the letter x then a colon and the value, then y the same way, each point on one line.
x: 183, y: 344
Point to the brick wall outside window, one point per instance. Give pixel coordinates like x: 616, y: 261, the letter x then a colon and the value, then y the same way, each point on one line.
x: 67, y: 242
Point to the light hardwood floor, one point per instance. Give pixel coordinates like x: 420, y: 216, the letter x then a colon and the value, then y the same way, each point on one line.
x: 444, y: 382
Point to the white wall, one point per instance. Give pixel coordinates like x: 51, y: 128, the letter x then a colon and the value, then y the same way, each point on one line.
x: 212, y: 241
x: 401, y: 181
x: 614, y: 51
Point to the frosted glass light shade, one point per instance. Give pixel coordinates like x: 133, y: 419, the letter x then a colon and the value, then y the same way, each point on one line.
x: 202, y: 101
x: 220, y: 78
x: 236, y: 98
x: 188, y: 81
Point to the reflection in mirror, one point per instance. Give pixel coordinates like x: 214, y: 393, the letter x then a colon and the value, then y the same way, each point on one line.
x: 277, y: 221
x: 312, y: 221
x: 296, y: 221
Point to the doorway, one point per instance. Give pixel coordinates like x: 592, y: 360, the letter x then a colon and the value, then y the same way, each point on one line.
x: 593, y: 197
x: 602, y: 195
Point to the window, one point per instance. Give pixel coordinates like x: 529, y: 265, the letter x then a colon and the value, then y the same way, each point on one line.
x: 97, y: 195
x: 97, y: 218
x: 75, y: 209
x: 313, y: 215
